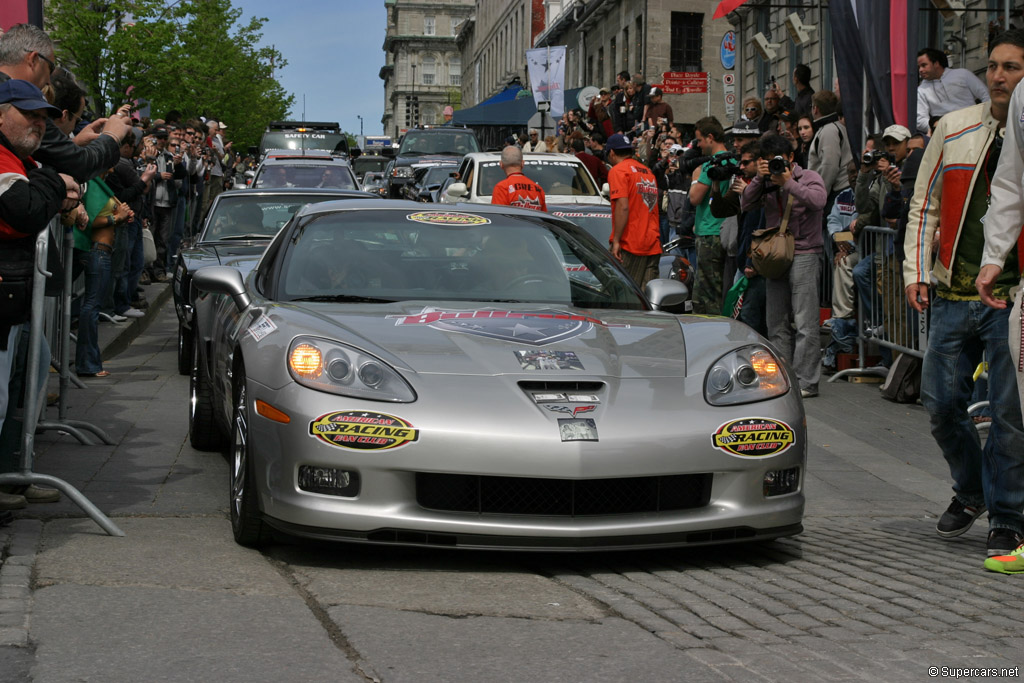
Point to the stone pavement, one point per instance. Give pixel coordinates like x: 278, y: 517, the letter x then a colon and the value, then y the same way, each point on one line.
x: 866, y: 593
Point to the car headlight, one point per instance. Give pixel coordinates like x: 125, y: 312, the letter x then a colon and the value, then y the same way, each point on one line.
x: 340, y: 369
x: 402, y: 172
x: 746, y: 375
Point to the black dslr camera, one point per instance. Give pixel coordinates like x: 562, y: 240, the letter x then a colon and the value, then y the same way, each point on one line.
x: 872, y: 157
x: 724, y: 167
x: 777, y: 165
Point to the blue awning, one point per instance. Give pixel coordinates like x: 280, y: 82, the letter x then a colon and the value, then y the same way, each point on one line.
x: 509, y: 112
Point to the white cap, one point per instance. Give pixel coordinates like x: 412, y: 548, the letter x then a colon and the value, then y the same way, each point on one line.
x: 676, y: 149
x: 896, y: 132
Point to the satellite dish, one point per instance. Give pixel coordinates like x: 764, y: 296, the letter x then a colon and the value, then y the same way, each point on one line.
x: 587, y: 94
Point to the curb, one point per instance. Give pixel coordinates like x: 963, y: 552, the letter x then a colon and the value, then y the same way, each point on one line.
x: 116, y: 337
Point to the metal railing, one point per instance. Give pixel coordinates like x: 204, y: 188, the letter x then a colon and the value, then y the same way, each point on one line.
x: 35, y: 392
x: 884, y: 318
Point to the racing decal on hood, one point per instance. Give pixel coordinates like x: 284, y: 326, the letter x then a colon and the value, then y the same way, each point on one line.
x: 548, y: 360
x: 753, y: 437
x: 447, y: 218
x: 363, y: 431
x: 537, y: 328
x: 262, y: 327
x: 577, y: 430
x: 572, y: 411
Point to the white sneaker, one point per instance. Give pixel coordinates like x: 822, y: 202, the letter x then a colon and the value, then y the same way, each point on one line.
x: 115, y: 318
x: 133, y: 313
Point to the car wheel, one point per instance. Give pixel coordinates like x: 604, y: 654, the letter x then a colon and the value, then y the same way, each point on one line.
x: 246, y: 524
x: 203, y: 431
x: 185, y: 344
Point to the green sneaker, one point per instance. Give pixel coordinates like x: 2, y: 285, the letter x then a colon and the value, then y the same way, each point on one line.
x: 1007, y: 564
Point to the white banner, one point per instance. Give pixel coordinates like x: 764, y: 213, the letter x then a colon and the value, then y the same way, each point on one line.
x: 546, y: 66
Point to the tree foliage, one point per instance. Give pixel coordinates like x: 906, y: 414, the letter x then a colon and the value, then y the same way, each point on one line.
x: 189, y: 55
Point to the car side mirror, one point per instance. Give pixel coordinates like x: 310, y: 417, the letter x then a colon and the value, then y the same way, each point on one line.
x: 223, y: 280
x: 456, y: 190
x: 664, y: 295
x: 606, y: 190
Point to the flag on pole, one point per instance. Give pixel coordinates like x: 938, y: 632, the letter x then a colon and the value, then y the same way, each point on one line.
x: 546, y: 66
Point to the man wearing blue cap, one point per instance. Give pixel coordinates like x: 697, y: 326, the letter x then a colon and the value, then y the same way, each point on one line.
x: 29, y: 197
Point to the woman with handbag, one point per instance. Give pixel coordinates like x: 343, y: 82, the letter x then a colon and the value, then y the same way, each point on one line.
x: 788, y: 254
x: 93, y: 249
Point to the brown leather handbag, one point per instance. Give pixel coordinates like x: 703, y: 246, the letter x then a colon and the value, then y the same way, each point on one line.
x: 771, y: 249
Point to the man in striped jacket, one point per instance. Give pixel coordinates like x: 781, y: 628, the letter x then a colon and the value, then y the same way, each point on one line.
x: 954, y: 187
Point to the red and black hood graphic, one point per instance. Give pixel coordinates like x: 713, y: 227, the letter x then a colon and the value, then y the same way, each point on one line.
x: 534, y: 327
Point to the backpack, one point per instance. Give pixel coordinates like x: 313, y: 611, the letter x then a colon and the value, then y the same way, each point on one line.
x: 903, y: 383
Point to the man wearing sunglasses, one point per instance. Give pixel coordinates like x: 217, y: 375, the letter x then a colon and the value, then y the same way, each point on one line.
x: 26, y: 53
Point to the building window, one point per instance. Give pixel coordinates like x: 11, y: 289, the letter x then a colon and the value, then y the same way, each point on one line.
x: 625, y: 48
x: 428, y: 68
x: 613, y: 62
x: 455, y: 71
x: 429, y: 26
x: 600, y: 65
x: 686, y: 45
x: 639, y: 31
x: 590, y: 69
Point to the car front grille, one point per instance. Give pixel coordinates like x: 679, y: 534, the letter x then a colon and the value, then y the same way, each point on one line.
x: 561, y: 497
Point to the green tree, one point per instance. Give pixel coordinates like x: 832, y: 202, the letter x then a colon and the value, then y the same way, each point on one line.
x: 189, y: 55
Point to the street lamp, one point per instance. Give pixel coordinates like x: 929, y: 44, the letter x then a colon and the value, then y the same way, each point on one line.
x: 415, y: 121
x: 360, y: 125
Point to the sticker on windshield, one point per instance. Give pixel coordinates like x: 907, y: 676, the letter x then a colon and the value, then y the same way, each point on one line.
x: 548, y: 360
x: 363, y: 431
x: 447, y: 218
x: 262, y: 327
x: 753, y: 437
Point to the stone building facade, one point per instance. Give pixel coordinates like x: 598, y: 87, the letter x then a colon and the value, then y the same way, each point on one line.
x: 422, y: 72
x: 494, y: 43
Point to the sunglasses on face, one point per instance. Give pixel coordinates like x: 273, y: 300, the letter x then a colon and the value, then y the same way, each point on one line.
x: 49, y: 62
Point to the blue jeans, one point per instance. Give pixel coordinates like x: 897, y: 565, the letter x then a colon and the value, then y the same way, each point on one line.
x: 96, y: 264
x: 792, y: 314
x: 136, y: 256
x: 177, y: 233
x: 994, y: 475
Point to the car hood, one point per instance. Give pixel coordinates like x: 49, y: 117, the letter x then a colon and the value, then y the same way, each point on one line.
x: 497, y: 339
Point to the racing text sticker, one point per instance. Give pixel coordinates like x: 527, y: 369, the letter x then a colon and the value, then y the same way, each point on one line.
x: 548, y: 360
x: 262, y: 327
x: 363, y: 431
x: 447, y: 218
x: 753, y: 437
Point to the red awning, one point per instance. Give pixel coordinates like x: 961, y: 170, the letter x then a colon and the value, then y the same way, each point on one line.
x: 726, y: 6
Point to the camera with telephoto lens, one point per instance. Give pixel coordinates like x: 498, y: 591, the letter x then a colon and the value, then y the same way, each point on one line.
x: 724, y: 167
x: 777, y: 165
x: 872, y: 157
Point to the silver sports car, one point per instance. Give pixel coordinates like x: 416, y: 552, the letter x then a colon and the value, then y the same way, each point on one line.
x: 484, y: 377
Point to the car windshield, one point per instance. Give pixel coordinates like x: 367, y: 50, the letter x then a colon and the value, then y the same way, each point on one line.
x: 597, y: 223
x: 558, y: 177
x: 447, y: 142
x: 368, y: 163
x: 254, y: 215
x: 437, y: 174
x: 409, y: 254
x: 334, y: 176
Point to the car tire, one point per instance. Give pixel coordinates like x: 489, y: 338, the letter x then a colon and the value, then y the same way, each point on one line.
x: 203, y: 431
x: 185, y: 350
x: 246, y: 524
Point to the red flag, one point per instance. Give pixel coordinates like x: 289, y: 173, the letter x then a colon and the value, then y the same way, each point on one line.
x: 726, y: 6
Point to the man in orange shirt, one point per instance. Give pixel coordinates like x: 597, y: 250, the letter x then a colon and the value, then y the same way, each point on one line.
x: 516, y: 189
x: 635, y: 236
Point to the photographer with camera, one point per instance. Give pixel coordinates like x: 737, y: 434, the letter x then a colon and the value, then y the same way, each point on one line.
x: 791, y: 301
x: 711, y: 254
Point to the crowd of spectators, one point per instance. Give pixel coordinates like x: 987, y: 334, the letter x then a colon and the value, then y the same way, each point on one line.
x: 110, y: 180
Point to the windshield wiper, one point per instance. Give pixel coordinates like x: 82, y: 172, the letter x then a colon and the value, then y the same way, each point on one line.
x: 249, y: 236
x: 353, y: 298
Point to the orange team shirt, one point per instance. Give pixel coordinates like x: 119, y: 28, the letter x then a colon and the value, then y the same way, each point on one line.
x: 519, y: 191
x: 634, y: 182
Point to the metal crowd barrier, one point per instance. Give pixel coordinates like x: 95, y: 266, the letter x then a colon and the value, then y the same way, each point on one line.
x: 35, y: 394
x: 890, y: 323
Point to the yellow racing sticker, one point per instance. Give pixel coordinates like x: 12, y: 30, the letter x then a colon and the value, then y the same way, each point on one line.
x: 753, y: 437
x: 363, y: 431
x: 447, y: 218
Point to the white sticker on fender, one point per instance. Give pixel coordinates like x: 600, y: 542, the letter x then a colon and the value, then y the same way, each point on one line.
x: 262, y: 327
